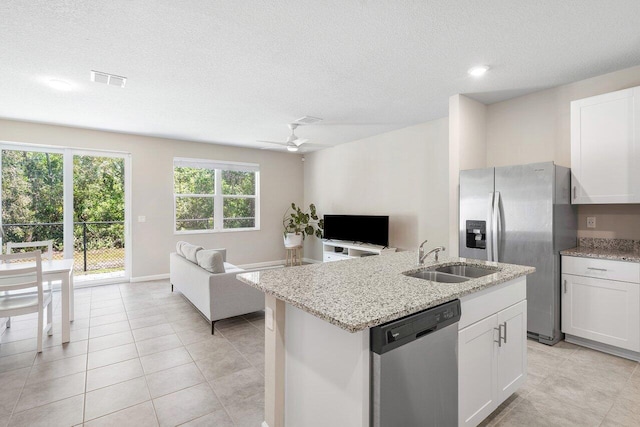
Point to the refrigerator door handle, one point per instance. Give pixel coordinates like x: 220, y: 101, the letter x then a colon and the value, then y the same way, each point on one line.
x: 495, y: 227
x: 489, y: 236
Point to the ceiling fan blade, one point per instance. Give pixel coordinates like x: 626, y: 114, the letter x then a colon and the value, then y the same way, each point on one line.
x: 315, y: 144
x: 274, y: 142
x: 300, y: 141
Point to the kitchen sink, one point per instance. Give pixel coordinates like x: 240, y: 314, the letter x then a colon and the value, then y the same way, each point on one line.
x: 452, y: 273
x: 471, y: 271
x: 436, y: 276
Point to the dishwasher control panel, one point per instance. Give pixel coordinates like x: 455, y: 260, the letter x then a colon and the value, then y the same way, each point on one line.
x: 398, y: 332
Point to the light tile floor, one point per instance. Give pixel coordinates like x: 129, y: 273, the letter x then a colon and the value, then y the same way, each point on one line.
x: 142, y: 356
x: 139, y: 356
x: 570, y: 385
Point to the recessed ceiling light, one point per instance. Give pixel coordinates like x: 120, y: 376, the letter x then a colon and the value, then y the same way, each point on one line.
x: 478, y: 71
x: 59, y: 84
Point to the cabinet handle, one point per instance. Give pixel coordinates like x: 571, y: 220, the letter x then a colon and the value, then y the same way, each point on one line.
x: 565, y: 286
x: 597, y: 269
x: 574, y: 192
x: 501, y: 338
x: 505, y: 332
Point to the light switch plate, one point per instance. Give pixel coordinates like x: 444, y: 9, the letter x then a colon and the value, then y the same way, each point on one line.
x: 142, y: 218
x: 591, y: 222
x: 268, y: 318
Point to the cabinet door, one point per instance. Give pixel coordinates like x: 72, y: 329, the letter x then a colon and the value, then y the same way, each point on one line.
x: 605, y: 148
x: 477, y: 363
x: 605, y: 311
x: 512, y: 351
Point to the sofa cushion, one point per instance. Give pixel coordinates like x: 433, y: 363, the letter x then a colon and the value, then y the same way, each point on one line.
x: 190, y: 252
x: 179, y: 247
x: 211, y: 260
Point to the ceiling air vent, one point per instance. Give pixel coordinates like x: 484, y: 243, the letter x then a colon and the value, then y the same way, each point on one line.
x: 308, y: 120
x: 108, y: 79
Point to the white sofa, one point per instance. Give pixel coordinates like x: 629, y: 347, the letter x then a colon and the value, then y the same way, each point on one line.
x: 217, y: 295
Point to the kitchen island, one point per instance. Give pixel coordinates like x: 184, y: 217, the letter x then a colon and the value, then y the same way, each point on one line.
x: 317, y: 361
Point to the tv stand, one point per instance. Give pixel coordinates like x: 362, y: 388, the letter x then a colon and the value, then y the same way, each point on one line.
x: 338, y: 250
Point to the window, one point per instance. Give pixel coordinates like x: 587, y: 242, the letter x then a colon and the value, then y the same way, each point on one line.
x: 215, y: 196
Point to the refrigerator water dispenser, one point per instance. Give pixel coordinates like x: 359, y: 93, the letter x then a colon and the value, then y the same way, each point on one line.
x: 477, y: 234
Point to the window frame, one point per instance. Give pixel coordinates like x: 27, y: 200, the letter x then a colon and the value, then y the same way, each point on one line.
x: 218, y: 196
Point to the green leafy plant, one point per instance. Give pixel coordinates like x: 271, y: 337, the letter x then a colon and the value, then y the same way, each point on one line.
x: 302, y: 222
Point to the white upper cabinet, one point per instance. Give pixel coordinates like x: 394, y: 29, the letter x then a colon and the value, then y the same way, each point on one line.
x: 605, y: 148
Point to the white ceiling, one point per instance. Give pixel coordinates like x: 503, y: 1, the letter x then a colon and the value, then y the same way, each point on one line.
x: 236, y: 71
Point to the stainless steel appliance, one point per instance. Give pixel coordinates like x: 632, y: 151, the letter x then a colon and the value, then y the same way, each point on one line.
x: 522, y: 215
x: 414, y: 378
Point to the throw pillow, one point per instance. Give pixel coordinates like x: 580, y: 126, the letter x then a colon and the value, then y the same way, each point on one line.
x: 179, y: 247
x: 210, y: 260
x: 191, y: 251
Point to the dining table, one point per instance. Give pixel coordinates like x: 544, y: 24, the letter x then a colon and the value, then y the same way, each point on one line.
x: 54, y: 270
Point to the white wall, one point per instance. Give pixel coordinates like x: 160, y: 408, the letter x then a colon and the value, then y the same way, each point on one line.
x: 467, y: 150
x: 536, y: 128
x: 152, y: 195
x: 403, y: 174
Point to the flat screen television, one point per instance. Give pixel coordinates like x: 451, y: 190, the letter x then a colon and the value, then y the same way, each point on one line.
x: 372, y: 229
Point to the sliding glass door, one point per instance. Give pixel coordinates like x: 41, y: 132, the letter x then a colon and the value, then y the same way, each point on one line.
x: 32, y: 197
x: 76, y: 198
x: 99, y: 216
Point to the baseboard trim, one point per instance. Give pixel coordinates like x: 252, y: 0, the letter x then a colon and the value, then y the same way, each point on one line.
x: 149, y: 278
x: 605, y: 348
x: 311, y: 261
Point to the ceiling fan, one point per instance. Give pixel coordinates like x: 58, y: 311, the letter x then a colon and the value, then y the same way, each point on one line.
x: 292, y: 143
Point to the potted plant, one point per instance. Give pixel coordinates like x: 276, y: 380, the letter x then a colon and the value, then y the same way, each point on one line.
x: 298, y: 224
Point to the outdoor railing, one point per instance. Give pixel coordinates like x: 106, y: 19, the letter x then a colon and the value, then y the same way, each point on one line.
x: 98, y: 246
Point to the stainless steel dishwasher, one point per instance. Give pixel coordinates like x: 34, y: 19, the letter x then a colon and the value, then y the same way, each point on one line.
x: 414, y: 369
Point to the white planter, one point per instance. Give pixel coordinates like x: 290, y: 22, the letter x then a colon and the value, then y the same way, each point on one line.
x: 291, y: 240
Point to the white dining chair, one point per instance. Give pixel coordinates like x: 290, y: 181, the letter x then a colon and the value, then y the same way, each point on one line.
x: 33, y: 245
x: 25, y: 277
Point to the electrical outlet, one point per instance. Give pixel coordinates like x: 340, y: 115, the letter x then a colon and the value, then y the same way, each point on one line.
x: 268, y: 318
x: 142, y: 218
x: 591, y: 222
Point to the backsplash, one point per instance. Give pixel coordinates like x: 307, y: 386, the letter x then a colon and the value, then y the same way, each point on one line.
x: 624, y: 245
x: 612, y: 221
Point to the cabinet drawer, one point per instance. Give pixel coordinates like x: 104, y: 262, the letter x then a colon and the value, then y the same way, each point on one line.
x: 601, y: 268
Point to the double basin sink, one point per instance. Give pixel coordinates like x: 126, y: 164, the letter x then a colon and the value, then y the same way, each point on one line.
x: 452, y: 273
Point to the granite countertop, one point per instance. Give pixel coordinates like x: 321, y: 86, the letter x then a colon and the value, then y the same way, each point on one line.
x: 361, y: 293
x: 603, y: 253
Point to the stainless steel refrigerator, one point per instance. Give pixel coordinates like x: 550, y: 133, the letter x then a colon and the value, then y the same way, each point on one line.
x: 522, y: 215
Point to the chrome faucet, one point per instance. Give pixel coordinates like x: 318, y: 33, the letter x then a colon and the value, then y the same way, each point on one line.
x: 422, y: 255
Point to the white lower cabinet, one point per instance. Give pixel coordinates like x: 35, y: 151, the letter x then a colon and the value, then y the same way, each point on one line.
x: 512, y: 352
x: 601, y: 304
x: 602, y: 310
x: 492, y: 362
x: 477, y: 371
